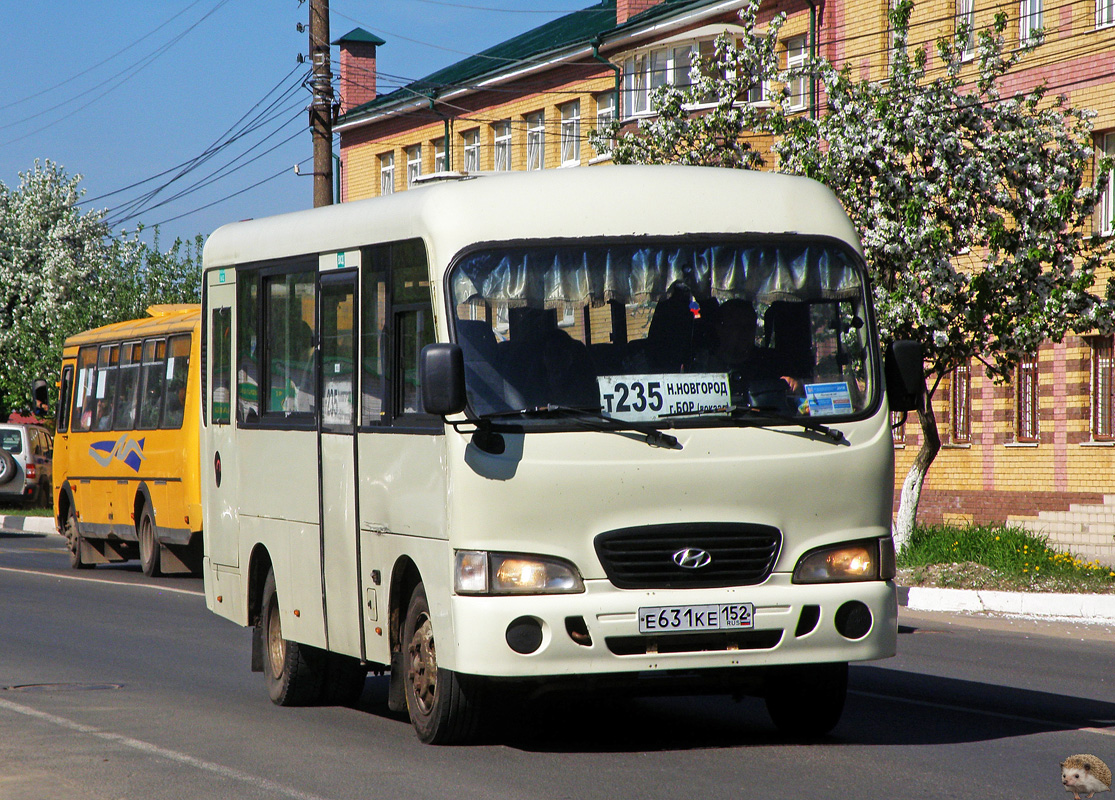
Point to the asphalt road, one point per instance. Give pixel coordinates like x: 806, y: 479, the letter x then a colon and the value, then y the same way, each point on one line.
x: 117, y: 686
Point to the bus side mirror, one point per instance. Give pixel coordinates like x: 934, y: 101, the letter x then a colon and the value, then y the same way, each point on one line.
x: 905, y: 376
x: 40, y: 397
x: 442, y: 372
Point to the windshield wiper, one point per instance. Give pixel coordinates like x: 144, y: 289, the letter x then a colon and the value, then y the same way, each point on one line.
x: 649, y: 434
x: 765, y: 414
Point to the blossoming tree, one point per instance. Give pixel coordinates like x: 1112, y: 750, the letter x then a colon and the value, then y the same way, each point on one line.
x: 61, y: 273
x: 975, y: 208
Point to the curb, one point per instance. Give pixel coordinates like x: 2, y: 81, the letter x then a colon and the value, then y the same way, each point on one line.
x: 1084, y: 607
x: 13, y: 522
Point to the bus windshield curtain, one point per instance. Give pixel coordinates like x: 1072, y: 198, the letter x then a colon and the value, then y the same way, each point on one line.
x: 549, y: 276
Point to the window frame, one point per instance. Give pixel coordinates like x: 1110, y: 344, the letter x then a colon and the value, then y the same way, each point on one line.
x: 535, y: 123
x: 1105, y: 208
x: 387, y: 173
x: 797, y: 58
x: 1105, y: 13
x: 501, y: 146
x: 1030, y: 19
x: 414, y: 164
x: 960, y: 420
x: 570, y: 138
x: 470, y: 147
x: 966, y: 12
x: 1027, y: 402
x: 1102, y: 390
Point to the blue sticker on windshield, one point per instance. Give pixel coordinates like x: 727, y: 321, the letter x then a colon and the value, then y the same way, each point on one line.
x: 828, y: 399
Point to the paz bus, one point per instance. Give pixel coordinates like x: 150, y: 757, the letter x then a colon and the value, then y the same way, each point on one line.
x: 126, y: 445
x: 506, y: 434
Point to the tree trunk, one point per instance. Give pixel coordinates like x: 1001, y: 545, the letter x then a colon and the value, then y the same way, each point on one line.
x: 911, y: 487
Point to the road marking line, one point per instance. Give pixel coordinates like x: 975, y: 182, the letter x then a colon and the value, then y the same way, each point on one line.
x: 984, y: 712
x: 64, y: 577
x: 265, y: 784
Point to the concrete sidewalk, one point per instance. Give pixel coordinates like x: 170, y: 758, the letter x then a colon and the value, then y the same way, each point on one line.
x: 1098, y: 608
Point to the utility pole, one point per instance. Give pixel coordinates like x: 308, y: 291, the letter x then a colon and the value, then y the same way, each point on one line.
x: 321, y: 109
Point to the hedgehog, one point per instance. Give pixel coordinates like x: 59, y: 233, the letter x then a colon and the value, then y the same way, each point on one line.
x: 1085, y: 774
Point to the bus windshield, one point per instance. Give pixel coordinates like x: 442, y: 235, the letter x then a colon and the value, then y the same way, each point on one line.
x: 664, y: 331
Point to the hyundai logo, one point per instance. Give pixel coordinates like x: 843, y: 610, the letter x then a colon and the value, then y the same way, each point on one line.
x: 692, y: 558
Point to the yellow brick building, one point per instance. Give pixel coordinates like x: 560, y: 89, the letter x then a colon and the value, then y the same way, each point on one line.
x: 1041, y: 445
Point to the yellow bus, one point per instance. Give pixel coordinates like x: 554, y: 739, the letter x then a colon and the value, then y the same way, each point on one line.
x: 126, y: 448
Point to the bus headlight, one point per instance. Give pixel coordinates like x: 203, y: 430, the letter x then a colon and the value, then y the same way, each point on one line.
x: 481, y: 572
x: 867, y: 560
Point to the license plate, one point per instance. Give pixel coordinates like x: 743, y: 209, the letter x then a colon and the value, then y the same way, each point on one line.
x: 680, y: 619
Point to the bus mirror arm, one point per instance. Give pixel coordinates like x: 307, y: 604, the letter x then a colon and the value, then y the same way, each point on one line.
x: 905, y: 376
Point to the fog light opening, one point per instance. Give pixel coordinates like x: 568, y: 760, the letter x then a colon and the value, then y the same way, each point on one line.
x: 807, y: 622
x: 853, y: 620
x: 524, y: 635
x: 578, y: 631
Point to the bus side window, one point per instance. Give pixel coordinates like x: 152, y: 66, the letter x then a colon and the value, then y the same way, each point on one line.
x: 373, y: 318
x: 130, y: 357
x: 151, y: 388
x: 177, y: 372
x: 247, y: 348
x: 413, y: 322
x: 65, y: 395
x: 220, y: 410
x: 85, y: 399
x: 289, y: 342
x: 107, y: 367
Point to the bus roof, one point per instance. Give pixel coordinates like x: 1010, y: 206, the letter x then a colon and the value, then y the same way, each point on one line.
x: 167, y: 318
x: 551, y: 204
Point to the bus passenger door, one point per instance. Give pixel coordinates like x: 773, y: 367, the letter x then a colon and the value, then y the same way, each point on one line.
x: 220, y: 521
x: 337, y: 460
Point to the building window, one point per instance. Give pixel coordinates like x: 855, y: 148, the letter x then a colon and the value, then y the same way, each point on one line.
x: 502, y: 150
x: 892, y: 43
x: 439, y: 155
x: 796, y: 53
x: 1027, y: 410
x: 605, y: 113
x: 961, y: 427
x: 1105, y: 208
x: 571, y: 134
x: 471, y: 140
x: 1029, y: 20
x: 1103, y: 388
x: 648, y: 70
x: 387, y: 173
x: 414, y: 164
x: 966, y: 18
x: 898, y: 427
x: 1105, y: 13
x: 536, y: 140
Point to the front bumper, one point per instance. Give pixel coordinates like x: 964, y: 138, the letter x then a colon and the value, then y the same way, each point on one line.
x: 794, y: 624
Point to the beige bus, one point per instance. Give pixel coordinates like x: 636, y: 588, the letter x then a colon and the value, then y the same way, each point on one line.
x: 508, y: 434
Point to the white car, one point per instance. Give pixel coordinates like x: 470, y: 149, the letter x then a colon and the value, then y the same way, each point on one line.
x: 26, y: 453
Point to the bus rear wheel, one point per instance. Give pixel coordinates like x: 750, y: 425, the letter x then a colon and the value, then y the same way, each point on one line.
x: 73, y: 541
x: 294, y: 672
x: 148, y: 545
x: 444, y: 707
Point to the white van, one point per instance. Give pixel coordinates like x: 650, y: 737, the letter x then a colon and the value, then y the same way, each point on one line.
x: 618, y: 427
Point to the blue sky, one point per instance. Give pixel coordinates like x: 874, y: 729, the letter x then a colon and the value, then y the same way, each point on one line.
x: 122, y: 92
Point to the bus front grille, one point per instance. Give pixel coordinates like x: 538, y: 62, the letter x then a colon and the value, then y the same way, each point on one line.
x: 686, y: 556
x: 693, y: 642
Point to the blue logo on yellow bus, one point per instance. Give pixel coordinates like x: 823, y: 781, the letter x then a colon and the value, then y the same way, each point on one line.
x: 125, y: 449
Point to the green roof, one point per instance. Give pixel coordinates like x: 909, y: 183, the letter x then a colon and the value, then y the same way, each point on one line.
x: 360, y: 35
x: 576, y: 29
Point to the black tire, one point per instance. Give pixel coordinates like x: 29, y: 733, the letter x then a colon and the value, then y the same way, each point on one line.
x: 148, y: 543
x: 73, y: 541
x: 294, y: 672
x: 444, y: 707
x: 806, y: 701
x: 8, y: 468
x: 344, y: 680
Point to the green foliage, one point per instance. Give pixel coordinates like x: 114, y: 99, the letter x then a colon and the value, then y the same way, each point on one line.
x: 62, y: 272
x: 1015, y: 557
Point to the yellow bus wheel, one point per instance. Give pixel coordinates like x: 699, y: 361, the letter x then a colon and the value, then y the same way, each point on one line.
x: 148, y: 545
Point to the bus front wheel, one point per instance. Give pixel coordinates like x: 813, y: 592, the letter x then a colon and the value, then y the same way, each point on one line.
x: 73, y: 541
x: 148, y: 545
x: 444, y: 706
x: 806, y: 701
x: 294, y: 671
